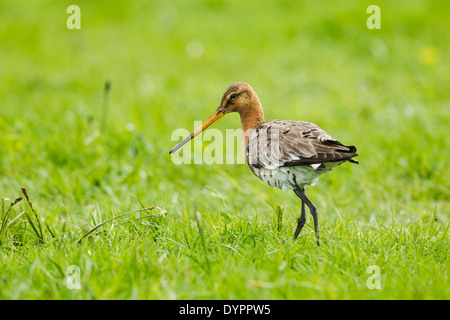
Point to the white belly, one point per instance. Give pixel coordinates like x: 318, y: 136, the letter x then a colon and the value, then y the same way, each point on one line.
x: 293, y: 177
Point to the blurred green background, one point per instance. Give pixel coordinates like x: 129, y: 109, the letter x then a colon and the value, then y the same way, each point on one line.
x: 385, y: 91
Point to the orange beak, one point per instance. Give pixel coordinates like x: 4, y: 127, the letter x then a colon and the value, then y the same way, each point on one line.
x: 219, y: 113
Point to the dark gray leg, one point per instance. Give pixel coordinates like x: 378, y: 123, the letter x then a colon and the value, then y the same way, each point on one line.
x: 300, y: 192
x: 301, y: 221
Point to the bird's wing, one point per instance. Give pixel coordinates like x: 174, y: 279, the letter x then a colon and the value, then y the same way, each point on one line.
x: 292, y: 143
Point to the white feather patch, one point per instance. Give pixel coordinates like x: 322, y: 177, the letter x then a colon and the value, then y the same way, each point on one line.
x: 315, y: 165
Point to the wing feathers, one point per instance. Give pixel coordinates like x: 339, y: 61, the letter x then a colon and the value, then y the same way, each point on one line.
x: 294, y: 143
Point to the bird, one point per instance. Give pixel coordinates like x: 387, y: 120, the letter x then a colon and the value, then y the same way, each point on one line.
x: 284, y: 154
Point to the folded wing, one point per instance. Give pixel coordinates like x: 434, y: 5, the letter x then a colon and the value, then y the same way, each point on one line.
x: 277, y: 143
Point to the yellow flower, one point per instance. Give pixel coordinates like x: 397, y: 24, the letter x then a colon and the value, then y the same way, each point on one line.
x: 429, y: 56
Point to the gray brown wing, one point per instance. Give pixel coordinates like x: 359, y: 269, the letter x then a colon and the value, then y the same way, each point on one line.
x: 279, y: 143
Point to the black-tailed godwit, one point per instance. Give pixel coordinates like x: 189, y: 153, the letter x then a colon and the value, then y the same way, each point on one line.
x: 284, y: 154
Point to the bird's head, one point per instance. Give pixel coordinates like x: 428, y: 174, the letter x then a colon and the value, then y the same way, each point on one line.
x: 239, y: 97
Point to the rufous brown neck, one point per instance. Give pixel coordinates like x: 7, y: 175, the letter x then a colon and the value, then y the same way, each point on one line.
x: 251, y: 117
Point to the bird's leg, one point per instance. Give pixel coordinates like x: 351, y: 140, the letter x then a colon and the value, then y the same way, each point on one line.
x: 301, y: 221
x: 300, y: 192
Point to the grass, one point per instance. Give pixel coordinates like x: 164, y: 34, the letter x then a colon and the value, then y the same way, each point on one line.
x: 89, y: 158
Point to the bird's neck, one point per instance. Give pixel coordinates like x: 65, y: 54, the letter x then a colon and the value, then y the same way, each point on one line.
x: 251, y: 117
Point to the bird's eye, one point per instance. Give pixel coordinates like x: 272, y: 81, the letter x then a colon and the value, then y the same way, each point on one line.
x: 233, y: 96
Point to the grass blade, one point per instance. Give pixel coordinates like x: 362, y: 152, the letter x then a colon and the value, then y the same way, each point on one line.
x: 202, y: 237
x: 5, y: 217
x: 41, y: 234
x: 114, y: 218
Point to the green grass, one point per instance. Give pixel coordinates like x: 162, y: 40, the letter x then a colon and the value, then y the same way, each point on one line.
x: 219, y: 232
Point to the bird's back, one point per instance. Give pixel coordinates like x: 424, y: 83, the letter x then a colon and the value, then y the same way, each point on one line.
x: 287, y: 154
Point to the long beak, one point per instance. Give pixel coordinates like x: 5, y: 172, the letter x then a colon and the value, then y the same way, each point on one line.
x: 219, y: 113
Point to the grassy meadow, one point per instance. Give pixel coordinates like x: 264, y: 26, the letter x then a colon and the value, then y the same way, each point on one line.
x: 86, y: 154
